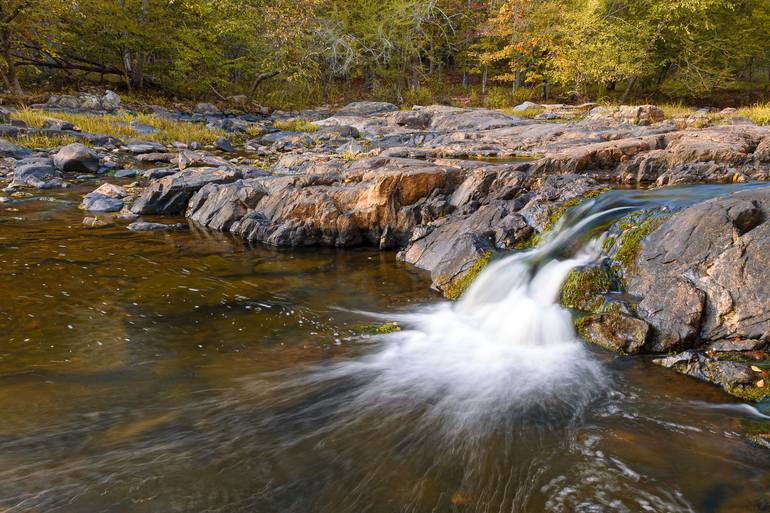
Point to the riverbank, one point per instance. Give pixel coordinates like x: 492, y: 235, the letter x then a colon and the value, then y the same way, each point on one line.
x: 446, y: 187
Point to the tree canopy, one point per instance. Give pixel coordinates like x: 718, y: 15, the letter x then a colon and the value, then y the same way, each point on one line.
x: 275, y: 48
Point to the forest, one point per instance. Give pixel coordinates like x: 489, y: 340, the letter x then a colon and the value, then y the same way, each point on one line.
x: 295, y: 53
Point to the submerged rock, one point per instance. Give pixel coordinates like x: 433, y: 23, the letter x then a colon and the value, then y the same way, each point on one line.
x: 147, y: 227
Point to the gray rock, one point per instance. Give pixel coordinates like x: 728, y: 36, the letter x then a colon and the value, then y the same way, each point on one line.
x: 76, y: 158
x: 159, y: 172
x: 223, y: 144
x: 170, y: 195
x: 366, y: 108
x: 57, y: 124
x: 145, y: 147
x: 703, y: 274
x: 733, y: 376
x: 8, y: 149
x: 35, y: 172
x: 208, y: 109
x: 525, y: 106
x: 110, y: 101
x: 126, y: 173
x: 95, y: 202
x: 146, y: 227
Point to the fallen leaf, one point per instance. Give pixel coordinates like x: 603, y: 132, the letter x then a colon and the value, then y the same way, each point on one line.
x: 761, y: 383
x: 755, y: 368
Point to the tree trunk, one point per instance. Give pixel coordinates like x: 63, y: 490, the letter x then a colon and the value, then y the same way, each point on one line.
x: 629, y: 86
x: 484, y: 81
x: 467, y: 46
x: 10, y: 77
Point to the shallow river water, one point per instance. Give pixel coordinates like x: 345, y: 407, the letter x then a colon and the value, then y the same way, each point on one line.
x: 187, y: 372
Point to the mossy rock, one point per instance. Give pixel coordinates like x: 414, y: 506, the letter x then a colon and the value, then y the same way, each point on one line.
x: 456, y: 288
x: 377, y: 328
x: 633, y: 230
x: 584, y: 288
x: 615, y: 331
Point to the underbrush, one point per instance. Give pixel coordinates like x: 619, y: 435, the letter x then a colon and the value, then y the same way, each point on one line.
x: 296, y: 125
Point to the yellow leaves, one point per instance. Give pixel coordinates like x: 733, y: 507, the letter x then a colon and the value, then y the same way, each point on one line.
x: 755, y: 368
x: 761, y: 383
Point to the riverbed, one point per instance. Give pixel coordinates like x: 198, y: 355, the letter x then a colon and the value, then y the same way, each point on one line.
x: 187, y: 371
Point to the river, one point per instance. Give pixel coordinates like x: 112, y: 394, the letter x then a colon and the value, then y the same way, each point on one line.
x: 188, y: 372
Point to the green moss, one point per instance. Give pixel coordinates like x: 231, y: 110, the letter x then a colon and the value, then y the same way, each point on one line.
x: 630, y: 241
x: 583, y: 289
x: 296, y: 125
x: 377, y: 328
x: 753, y: 394
x: 458, y: 286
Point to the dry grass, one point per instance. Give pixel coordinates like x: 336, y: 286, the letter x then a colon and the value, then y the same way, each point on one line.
x: 758, y: 113
x: 296, y: 125
x: 42, y: 142
x: 118, y: 125
x: 676, y: 110
x: 526, y: 113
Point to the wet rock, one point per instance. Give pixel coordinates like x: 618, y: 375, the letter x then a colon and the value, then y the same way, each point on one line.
x: 36, y: 172
x: 615, y: 331
x: 126, y: 173
x: 733, y: 375
x: 147, y: 227
x: 76, y: 158
x: 96, y: 202
x: 702, y: 275
x: 170, y: 195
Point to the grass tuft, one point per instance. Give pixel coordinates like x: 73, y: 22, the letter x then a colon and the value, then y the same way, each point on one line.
x: 35, y: 141
x: 296, y: 125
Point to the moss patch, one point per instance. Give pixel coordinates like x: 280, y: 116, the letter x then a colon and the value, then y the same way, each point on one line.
x: 583, y: 288
x: 753, y: 394
x: 630, y: 241
x: 377, y: 328
x: 458, y: 286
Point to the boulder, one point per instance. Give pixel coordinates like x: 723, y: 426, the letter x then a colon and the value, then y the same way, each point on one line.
x: 702, y: 276
x: 76, y: 158
x: 525, y: 106
x: 36, y: 172
x: 615, y: 331
x: 96, y: 202
x: 208, y: 109
x: 110, y: 101
x: 366, y: 108
x: 169, y: 195
x: 57, y: 124
x: 222, y: 144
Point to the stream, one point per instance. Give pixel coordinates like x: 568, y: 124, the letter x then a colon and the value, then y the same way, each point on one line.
x: 186, y: 371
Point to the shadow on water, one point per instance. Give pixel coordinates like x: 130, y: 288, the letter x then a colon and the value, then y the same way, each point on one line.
x: 187, y: 372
